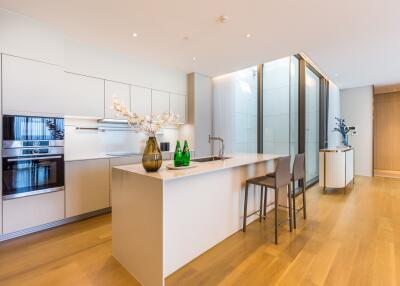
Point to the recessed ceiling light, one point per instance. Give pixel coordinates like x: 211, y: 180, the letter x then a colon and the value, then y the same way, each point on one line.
x: 194, y: 59
x: 135, y: 35
x: 223, y: 19
x: 248, y: 35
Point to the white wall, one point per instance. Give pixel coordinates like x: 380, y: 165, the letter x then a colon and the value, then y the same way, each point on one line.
x: 334, y: 138
x: 357, y: 109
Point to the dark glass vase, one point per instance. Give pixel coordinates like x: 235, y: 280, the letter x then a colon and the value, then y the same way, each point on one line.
x: 152, y: 158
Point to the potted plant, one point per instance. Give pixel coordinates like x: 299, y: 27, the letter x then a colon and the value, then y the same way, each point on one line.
x: 149, y: 125
x: 343, y: 129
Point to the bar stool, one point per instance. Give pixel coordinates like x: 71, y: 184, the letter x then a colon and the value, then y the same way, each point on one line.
x: 298, y: 175
x: 281, y: 179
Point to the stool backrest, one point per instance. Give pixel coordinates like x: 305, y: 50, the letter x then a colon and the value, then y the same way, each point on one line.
x: 298, y: 167
x: 282, y: 171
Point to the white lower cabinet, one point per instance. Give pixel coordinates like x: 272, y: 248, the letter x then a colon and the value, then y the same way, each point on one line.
x: 87, y: 186
x: 31, y: 211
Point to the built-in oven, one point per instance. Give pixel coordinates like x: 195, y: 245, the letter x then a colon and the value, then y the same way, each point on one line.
x: 33, y: 155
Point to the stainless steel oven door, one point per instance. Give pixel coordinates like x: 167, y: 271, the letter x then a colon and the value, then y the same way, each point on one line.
x: 31, y: 175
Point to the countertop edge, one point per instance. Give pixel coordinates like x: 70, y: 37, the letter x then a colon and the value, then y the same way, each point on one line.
x: 240, y: 164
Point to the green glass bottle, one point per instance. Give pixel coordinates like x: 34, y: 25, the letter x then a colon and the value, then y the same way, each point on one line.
x: 186, y: 154
x: 178, y: 156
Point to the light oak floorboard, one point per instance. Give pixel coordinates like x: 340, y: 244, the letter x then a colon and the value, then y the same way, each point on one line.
x: 351, y: 239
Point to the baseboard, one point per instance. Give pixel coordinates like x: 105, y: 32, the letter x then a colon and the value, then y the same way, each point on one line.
x: 46, y: 226
x: 386, y: 173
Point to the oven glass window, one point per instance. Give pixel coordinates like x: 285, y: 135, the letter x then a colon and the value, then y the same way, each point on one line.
x: 20, y: 128
x: 25, y: 175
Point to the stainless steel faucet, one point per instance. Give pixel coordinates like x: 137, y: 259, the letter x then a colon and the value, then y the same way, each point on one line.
x: 222, y: 147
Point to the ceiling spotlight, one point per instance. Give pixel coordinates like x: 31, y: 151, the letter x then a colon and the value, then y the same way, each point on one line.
x: 134, y: 35
x: 223, y: 19
x: 248, y: 35
x: 194, y: 59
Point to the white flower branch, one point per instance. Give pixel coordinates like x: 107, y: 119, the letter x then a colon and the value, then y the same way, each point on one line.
x: 149, y: 124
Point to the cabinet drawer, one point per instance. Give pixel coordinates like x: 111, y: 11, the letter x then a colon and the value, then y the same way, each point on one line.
x: 32, y: 211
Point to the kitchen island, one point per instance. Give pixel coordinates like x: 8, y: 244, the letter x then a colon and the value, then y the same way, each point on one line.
x: 163, y: 220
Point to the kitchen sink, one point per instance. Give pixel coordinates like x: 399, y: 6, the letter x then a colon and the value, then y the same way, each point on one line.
x: 209, y: 159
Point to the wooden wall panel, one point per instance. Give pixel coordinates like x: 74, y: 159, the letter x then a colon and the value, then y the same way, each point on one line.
x: 386, y: 133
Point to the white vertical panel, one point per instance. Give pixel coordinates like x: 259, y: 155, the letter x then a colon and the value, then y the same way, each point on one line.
x: 121, y: 91
x: 84, y: 96
x: 159, y: 102
x: 32, y: 87
x: 140, y: 100
x: 357, y: 109
x: 177, y: 105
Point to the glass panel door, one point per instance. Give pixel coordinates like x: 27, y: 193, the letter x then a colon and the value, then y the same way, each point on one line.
x: 312, y: 125
x: 280, y: 106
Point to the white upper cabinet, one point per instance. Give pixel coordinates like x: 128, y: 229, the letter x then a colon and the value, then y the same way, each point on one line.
x: 177, y: 104
x: 84, y: 96
x: 159, y: 102
x: 32, y: 87
x: 140, y: 100
x: 121, y: 91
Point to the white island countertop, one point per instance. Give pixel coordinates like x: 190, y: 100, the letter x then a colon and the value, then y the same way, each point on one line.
x: 235, y: 160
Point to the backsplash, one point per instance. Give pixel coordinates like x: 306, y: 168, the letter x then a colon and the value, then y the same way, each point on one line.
x: 81, y: 143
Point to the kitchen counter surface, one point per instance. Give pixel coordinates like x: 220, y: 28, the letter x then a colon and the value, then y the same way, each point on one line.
x: 235, y: 160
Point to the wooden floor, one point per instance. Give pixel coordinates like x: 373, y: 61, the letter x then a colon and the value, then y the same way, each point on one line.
x: 351, y: 239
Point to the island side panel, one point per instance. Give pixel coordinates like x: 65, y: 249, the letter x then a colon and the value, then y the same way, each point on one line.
x: 137, y: 225
x: 200, y: 211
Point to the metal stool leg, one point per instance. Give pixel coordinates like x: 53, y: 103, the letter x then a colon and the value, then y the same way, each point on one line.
x: 245, y: 207
x: 276, y: 215
x: 265, y: 201
x: 294, y: 208
x: 290, y: 206
x: 261, y: 203
x: 304, y: 202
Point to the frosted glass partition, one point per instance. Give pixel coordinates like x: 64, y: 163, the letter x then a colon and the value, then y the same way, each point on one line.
x: 235, y: 110
x: 280, y: 106
x: 312, y: 125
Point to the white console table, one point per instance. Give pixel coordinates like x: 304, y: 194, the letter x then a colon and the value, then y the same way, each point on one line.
x: 336, y: 167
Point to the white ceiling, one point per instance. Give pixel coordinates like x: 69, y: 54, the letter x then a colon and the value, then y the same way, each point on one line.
x: 354, y: 42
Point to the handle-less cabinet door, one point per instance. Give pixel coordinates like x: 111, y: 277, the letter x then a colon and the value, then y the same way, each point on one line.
x: 87, y: 186
x: 140, y: 100
x: 31, y: 211
x: 159, y: 102
x: 177, y: 103
x: 84, y: 96
x: 119, y: 90
x: 32, y: 87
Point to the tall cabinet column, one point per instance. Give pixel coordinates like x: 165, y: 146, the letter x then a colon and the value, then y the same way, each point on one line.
x: 200, y: 112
